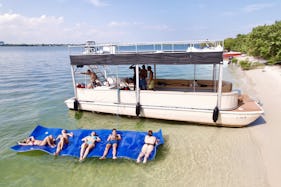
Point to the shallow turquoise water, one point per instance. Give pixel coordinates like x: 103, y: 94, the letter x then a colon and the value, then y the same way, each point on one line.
x: 35, y: 81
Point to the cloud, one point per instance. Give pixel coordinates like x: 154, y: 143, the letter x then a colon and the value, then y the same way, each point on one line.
x: 117, y: 24
x: 1, y: 5
x: 256, y: 7
x: 19, y: 28
x: 98, y: 3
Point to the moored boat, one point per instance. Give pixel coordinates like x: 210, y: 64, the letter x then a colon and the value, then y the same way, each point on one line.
x: 210, y: 102
x: 231, y: 54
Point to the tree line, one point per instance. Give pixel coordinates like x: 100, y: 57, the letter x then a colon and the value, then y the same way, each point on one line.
x: 264, y: 42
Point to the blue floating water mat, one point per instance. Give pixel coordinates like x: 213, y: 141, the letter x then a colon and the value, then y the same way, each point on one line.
x: 128, y: 147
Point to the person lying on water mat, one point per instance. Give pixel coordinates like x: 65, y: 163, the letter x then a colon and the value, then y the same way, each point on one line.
x: 63, y: 137
x: 88, y: 145
x: 48, y: 140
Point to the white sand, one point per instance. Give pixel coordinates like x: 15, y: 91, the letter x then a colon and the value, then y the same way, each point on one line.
x: 267, y: 87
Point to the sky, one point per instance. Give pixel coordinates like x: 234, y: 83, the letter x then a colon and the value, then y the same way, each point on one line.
x: 78, y: 21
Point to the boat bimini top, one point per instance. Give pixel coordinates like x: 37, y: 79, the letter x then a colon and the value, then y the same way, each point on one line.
x: 199, y: 52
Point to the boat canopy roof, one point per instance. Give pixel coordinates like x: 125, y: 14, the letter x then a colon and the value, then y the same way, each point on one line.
x: 164, y: 53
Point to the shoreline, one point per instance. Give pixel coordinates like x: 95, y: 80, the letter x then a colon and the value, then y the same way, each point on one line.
x: 267, y: 136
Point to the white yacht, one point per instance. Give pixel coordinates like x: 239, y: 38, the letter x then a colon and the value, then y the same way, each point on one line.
x: 194, y: 100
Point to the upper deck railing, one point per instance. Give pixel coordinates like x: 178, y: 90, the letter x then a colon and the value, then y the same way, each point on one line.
x: 92, y: 48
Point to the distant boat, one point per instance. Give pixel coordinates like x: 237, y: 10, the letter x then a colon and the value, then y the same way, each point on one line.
x: 231, y: 54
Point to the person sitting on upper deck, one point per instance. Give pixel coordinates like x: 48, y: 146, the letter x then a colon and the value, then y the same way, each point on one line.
x: 150, y: 81
x: 143, y: 76
x: 149, y: 143
x: 94, y: 79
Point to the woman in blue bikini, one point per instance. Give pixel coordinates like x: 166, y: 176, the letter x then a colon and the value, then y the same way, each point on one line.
x: 112, y: 140
x: 88, y: 145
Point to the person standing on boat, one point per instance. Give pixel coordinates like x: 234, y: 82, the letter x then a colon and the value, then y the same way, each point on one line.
x: 149, y: 143
x: 143, y: 76
x: 112, y: 141
x: 150, y: 81
x: 94, y: 79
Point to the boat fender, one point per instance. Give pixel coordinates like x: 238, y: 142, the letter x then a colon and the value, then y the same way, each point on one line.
x: 75, y: 104
x: 216, y: 114
x: 138, y: 109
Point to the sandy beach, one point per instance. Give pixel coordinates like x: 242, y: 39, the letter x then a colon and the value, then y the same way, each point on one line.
x: 265, y: 84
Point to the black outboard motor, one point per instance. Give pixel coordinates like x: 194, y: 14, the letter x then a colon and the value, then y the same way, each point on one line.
x: 138, y: 109
x: 76, y: 104
x: 216, y: 114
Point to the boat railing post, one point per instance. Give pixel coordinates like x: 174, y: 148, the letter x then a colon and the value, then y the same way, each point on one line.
x: 220, y: 86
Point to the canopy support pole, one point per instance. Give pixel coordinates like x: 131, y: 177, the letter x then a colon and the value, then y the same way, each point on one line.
x: 73, y: 82
x: 220, y: 86
x: 137, y: 84
x: 138, y: 106
x: 76, y: 102
x: 215, y: 77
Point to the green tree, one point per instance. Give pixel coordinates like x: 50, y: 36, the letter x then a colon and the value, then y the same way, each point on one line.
x: 229, y: 43
x: 264, y: 41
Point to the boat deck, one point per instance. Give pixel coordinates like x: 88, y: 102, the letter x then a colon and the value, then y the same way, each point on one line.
x: 247, y: 104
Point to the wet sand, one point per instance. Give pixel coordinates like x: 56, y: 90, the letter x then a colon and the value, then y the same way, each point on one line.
x: 266, y: 85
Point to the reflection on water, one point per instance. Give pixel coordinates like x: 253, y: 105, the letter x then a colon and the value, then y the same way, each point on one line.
x: 33, y: 86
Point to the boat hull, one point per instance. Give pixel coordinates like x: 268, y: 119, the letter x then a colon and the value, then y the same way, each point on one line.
x: 232, y: 118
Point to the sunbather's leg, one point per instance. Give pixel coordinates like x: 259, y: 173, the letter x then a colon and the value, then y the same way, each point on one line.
x: 105, y: 151
x: 83, y: 147
x: 114, y: 150
x: 89, y: 148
